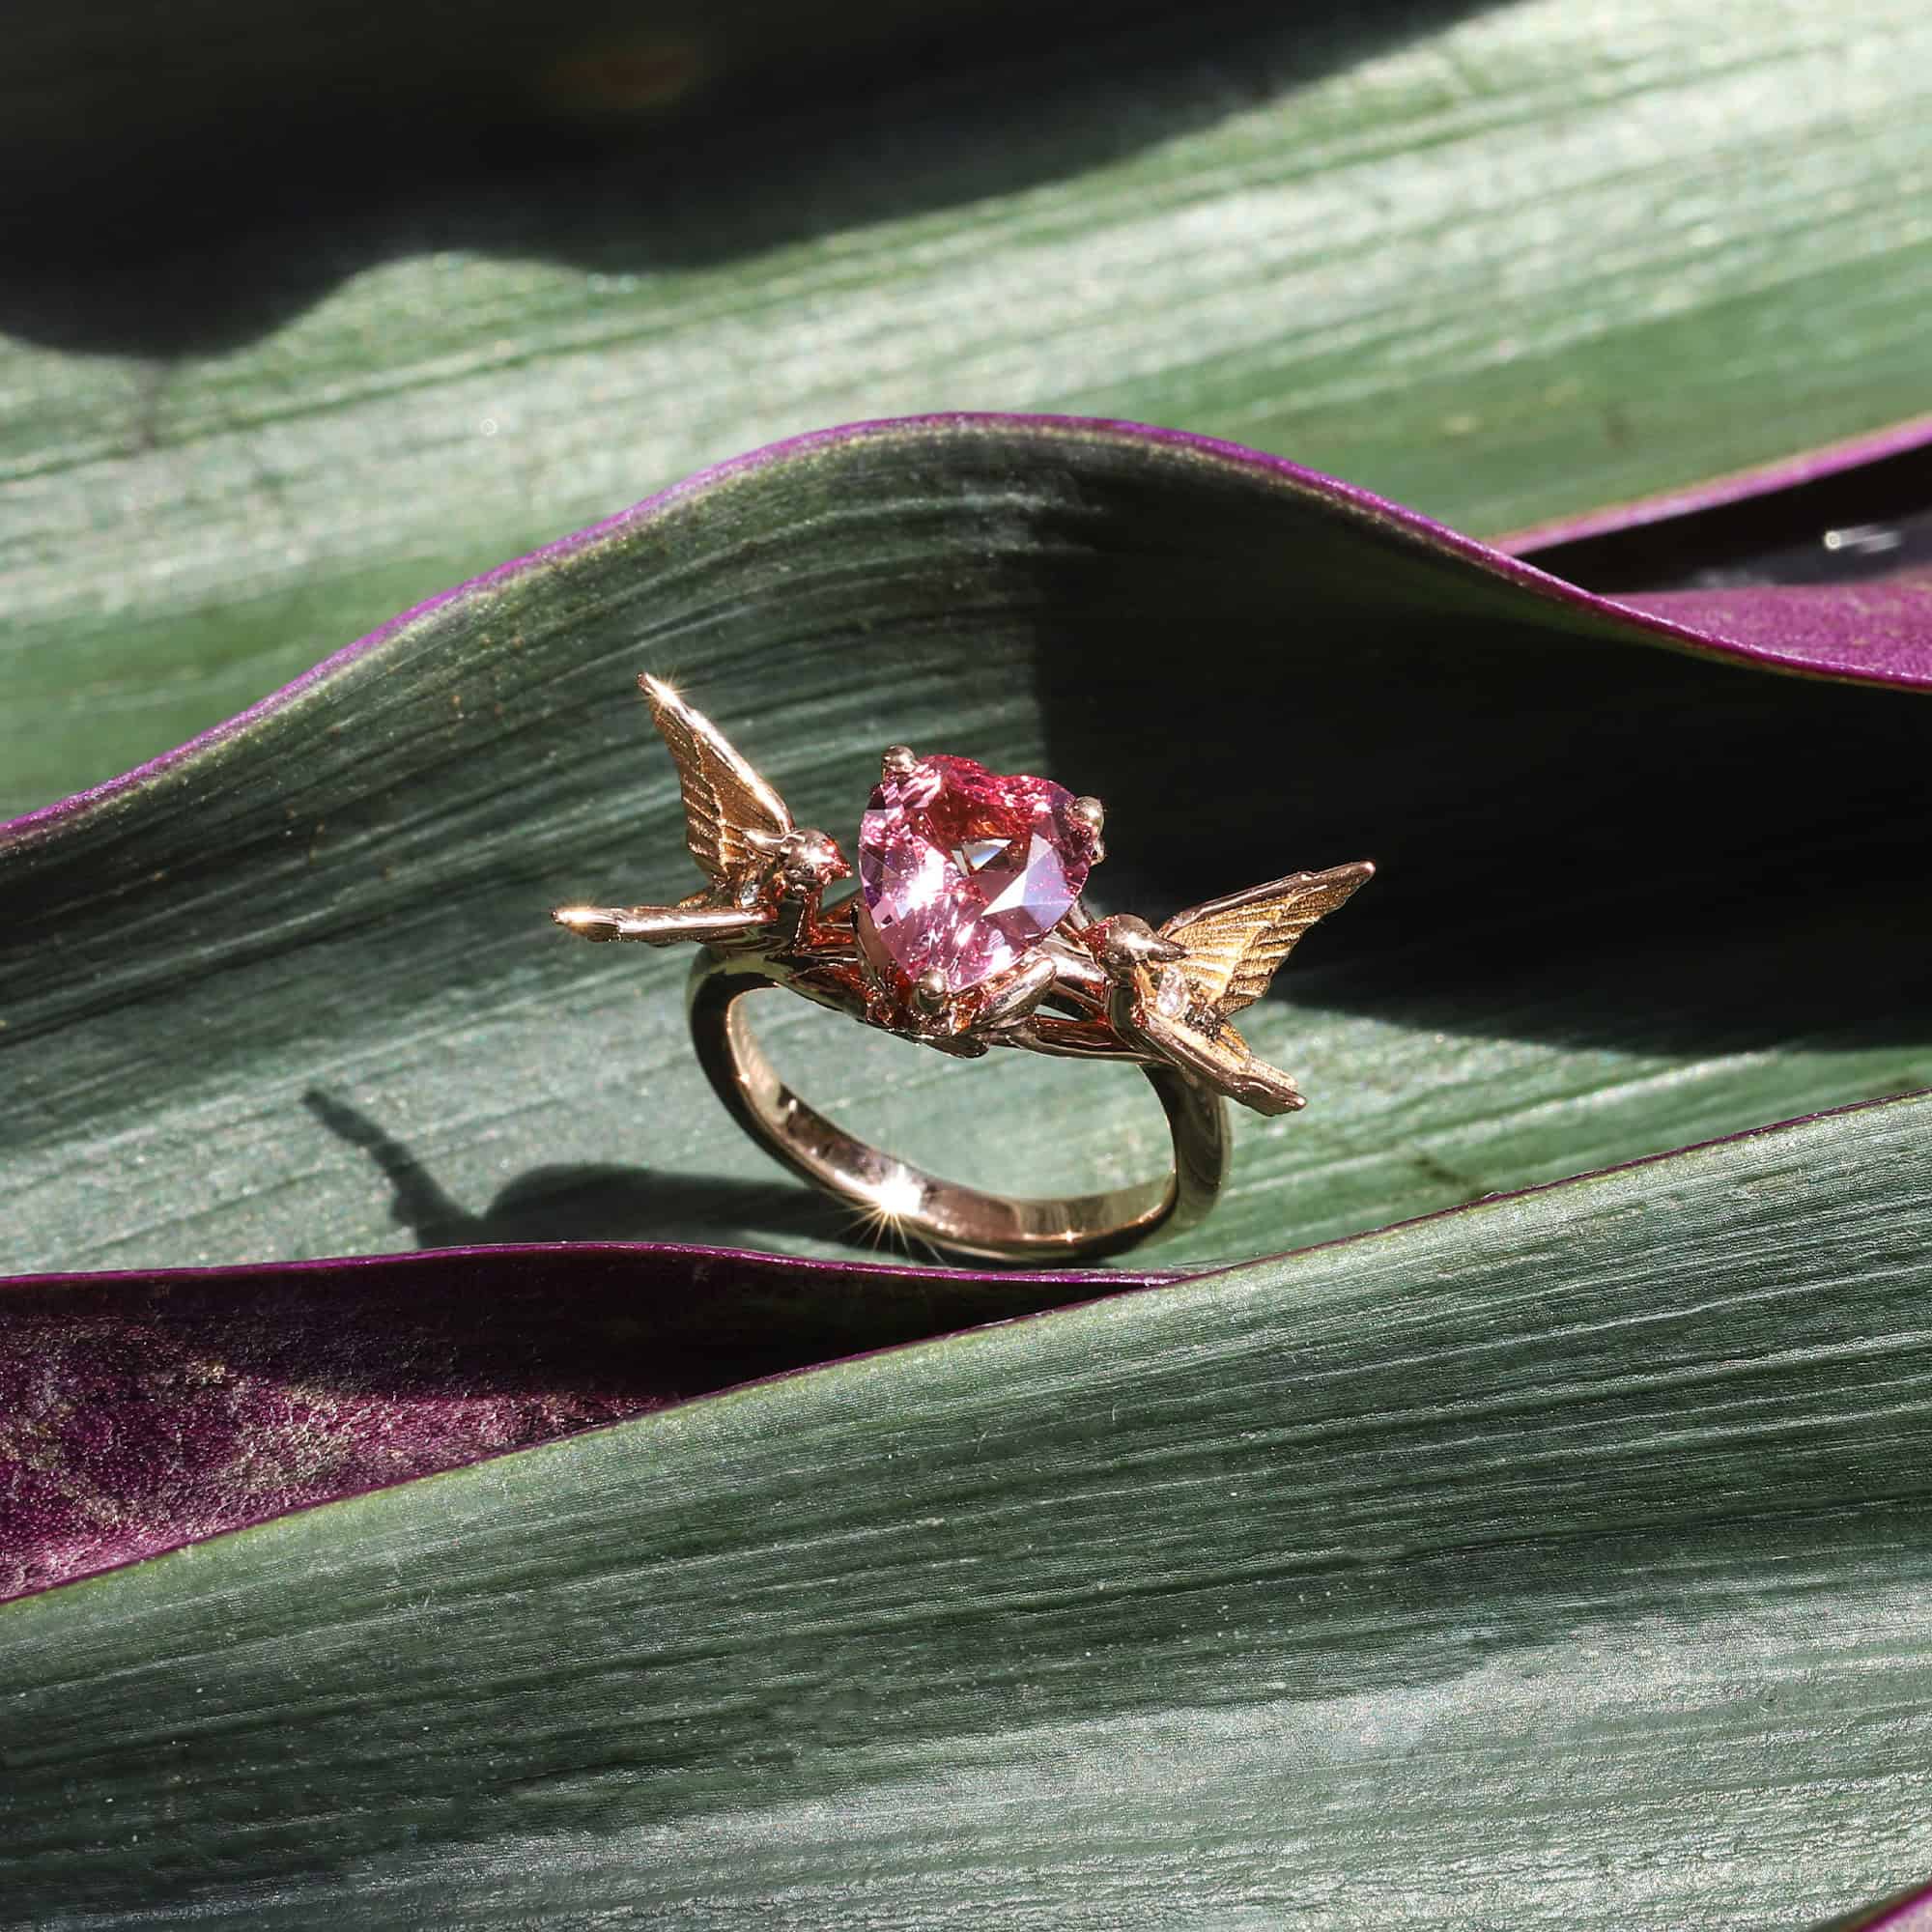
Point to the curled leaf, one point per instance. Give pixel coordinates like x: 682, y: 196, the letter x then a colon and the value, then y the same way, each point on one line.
x: 142, y: 1411
x: 294, y: 984
x: 1564, y: 1554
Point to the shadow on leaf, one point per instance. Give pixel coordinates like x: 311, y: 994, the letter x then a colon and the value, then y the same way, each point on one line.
x: 579, y: 1202
x: 1576, y: 840
x: 311, y: 149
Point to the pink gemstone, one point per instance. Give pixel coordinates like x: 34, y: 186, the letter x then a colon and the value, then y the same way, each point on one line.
x: 963, y: 870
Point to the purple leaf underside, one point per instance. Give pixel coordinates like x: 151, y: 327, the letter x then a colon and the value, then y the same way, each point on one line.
x: 1879, y: 633
x: 142, y: 1411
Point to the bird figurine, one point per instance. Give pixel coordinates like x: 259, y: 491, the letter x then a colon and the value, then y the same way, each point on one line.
x: 767, y: 876
x: 1176, y: 990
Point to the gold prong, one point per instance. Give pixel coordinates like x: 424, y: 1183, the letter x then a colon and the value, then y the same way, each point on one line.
x: 929, y: 991
x: 1020, y: 993
x: 1087, y: 811
x: 900, y: 761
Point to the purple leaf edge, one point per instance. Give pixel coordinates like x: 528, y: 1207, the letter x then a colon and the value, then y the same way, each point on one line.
x: 1908, y: 1911
x: 24, y: 1352
x: 170, y: 1406
x: 1717, y: 493
x: 1828, y: 632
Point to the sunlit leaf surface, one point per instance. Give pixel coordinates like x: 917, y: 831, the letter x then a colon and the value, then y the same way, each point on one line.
x: 1557, y: 1560
x: 1499, y: 262
x: 296, y: 993
x: 1560, y: 1562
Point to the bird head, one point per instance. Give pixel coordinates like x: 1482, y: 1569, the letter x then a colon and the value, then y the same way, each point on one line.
x: 1124, y: 942
x: 808, y: 861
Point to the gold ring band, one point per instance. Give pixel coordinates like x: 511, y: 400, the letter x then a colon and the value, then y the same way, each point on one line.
x: 967, y: 932
x: 920, y: 1207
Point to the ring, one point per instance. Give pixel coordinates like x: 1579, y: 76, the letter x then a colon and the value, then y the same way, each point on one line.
x: 967, y: 931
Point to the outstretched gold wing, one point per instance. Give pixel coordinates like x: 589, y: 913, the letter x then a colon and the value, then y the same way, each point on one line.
x: 733, y: 818
x: 1234, y: 946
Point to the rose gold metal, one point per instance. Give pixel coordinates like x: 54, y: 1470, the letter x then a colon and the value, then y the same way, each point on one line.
x: 1093, y: 815
x: 906, y: 1201
x: 1113, y: 990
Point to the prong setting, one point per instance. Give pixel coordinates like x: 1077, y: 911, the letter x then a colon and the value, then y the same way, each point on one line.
x: 1088, y: 812
x: 965, y: 930
x: 1019, y: 992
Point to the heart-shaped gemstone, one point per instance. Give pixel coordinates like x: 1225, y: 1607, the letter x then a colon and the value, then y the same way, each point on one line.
x: 963, y: 870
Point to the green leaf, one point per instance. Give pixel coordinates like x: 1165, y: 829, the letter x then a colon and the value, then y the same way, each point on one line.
x: 1499, y: 262
x: 141, y: 1411
x: 1561, y: 1560
x: 300, y: 983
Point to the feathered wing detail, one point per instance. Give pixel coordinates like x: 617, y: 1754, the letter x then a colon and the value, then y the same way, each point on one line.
x: 1234, y: 946
x: 731, y: 816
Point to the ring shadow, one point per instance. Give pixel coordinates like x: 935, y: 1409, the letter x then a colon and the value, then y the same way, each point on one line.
x: 573, y: 1202
x: 325, y: 1378
x: 603, y: 1322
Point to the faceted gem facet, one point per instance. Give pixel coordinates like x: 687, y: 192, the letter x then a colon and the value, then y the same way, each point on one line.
x: 963, y: 871
x: 1169, y: 998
